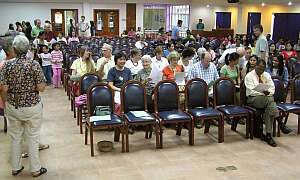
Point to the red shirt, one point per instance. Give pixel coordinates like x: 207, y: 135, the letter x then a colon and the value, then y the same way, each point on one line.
x: 49, y: 36
x: 286, y: 56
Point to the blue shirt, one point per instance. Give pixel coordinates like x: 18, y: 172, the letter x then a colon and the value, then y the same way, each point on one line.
x: 119, y: 78
x: 284, y: 77
x: 175, y: 30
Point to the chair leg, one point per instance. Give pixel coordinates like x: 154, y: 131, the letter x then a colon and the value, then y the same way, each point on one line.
x: 127, y: 138
x: 124, y: 132
x: 221, y: 130
x: 146, y: 131
x: 247, y: 127
x: 206, y: 126
x: 234, y: 124
x: 191, y: 133
x: 286, y: 118
x: 160, y: 136
x: 298, y: 124
x: 274, y: 128
x: 178, y: 130
x: 92, y: 140
x: 150, y: 131
x: 72, y: 104
x: 86, y: 135
x: 117, y: 135
x: 74, y: 109
x: 157, y: 135
x: 80, y: 118
x: 5, y: 124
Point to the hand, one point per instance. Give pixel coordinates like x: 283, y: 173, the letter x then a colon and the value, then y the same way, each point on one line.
x: 266, y: 93
x: 105, y: 61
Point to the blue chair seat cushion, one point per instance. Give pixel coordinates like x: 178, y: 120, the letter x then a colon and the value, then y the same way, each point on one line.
x: 204, y: 112
x: 233, y: 110
x: 293, y: 108
x: 133, y: 119
x: 174, y: 115
x: 114, y: 120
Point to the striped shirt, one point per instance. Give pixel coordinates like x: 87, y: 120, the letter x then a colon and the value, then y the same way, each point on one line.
x: 57, y: 58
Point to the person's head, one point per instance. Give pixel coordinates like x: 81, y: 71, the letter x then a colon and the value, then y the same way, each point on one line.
x: 229, y: 37
x: 179, y: 23
x: 146, y: 61
x: 73, y: 34
x: 244, y: 38
x: 206, y: 59
x: 207, y: 46
x: 248, y: 52
x: 41, y: 35
x: 27, y: 24
x: 252, y: 61
x: 120, y: 59
x: 82, y: 18
x: 107, y: 50
x: 18, y: 24
x: 188, y: 32
x: 92, y: 23
x: 268, y: 36
x: 47, y: 27
x: 45, y: 49
x: 200, y: 20
x: 170, y: 46
x: 260, y: 66
x: 241, y: 51
x: 20, y: 45
x: 37, y: 23
x: 11, y: 27
x: 173, y: 58
x: 131, y: 29
x: 288, y: 46
x: 258, y: 30
x: 135, y: 54
x: 272, y: 47
x: 84, y: 53
x: 281, y: 41
x: 56, y: 46
x: 232, y: 59
x: 158, y: 52
x: 8, y: 48
x: 238, y: 42
x: 139, y: 29
x: 60, y: 35
x: 200, y: 52
x: 187, y: 54
x: 47, y: 22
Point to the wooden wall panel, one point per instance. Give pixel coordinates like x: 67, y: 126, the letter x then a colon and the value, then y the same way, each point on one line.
x: 131, y: 16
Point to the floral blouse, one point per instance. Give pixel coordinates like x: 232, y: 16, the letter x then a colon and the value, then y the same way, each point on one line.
x: 21, y: 76
x: 142, y: 77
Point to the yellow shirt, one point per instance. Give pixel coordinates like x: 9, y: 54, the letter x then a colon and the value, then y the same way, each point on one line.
x: 80, y: 67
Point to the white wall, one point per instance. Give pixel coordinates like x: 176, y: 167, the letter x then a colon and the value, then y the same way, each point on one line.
x: 13, y: 12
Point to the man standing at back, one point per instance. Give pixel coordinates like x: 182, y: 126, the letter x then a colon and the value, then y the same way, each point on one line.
x: 83, y: 27
x: 200, y: 25
x: 37, y: 28
x: 176, y: 30
x: 261, y: 47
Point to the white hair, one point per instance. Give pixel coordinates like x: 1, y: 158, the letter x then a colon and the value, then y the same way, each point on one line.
x: 146, y: 57
x: 20, y: 44
x: 201, y: 51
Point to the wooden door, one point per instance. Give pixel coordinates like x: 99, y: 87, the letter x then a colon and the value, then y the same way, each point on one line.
x: 58, y: 21
x: 107, y: 22
x: 130, y: 16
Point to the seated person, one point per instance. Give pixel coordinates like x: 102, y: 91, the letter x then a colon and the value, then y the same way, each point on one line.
x: 118, y: 75
x: 170, y: 70
x: 249, y: 66
x: 158, y: 60
x: 262, y: 100
x: 289, y: 52
x: 135, y: 63
x: 170, y: 48
x: 205, y: 70
x: 61, y: 38
x: 131, y: 33
x: 187, y: 59
x: 230, y: 69
x: 105, y: 63
x: 84, y: 64
x: 278, y: 69
x: 73, y: 38
x: 143, y: 77
x: 140, y: 43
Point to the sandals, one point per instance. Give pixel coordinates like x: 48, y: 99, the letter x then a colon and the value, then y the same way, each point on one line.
x: 40, y: 172
x: 14, y: 173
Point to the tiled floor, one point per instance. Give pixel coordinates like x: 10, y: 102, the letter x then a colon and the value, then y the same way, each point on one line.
x: 68, y: 158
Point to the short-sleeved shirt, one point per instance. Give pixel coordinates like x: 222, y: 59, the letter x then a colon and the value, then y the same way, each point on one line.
x: 209, y: 74
x: 119, y: 77
x: 261, y: 46
x: 175, y: 30
x: 35, y: 31
x: 230, y: 73
x: 169, y: 73
x: 200, y: 26
x: 46, y: 59
x: 21, y: 76
x: 160, y: 64
x: 134, y: 68
x: 81, y: 67
x: 107, y: 66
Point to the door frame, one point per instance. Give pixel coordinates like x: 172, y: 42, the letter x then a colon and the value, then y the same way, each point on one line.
x: 62, y: 10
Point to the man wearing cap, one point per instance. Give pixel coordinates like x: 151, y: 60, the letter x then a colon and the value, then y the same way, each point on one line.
x: 105, y: 63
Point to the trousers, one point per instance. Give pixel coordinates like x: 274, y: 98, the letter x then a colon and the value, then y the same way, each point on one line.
x: 56, y: 77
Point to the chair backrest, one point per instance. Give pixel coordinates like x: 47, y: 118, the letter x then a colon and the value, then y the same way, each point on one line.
x: 196, y: 93
x: 133, y: 97
x: 224, y: 92
x: 296, y: 69
x: 279, y: 94
x: 86, y: 81
x: 243, y: 97
x: 95, y: 57
x: 72, y: 58
x: 166, y: 96
x: 99, y: 94
x: 295, y: 96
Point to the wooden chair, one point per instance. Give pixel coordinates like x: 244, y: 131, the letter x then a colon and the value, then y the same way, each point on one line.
x: 167, y: 109
x: 196, y: 103
x: 101, y: 94
x: 134, y: 99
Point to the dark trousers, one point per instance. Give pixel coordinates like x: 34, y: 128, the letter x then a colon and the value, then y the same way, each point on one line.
x: 48, y: 74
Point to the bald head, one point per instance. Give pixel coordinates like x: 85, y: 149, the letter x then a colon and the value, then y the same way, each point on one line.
x: 206, y: 59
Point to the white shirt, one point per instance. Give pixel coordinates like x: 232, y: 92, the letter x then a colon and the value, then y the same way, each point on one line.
x: 160, y: 64
x: 46, y: 59
x: 61, y: 39
x: 140, y: 44
x: 107, y: 66
x: 229, y: 51
x: 186, y: 68
x: 134, y: 68
x: 252, y: 80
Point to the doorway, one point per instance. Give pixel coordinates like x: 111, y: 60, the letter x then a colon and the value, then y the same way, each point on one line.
x: 60, y: 19
x: 107, y: 22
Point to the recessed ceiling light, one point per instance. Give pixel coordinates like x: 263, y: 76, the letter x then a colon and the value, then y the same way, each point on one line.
x: 290, y: 3
x: 208, y: 6
x: 263, y: 4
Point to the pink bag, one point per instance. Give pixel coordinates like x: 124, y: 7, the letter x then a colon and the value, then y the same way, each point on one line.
x: 80, y: 100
